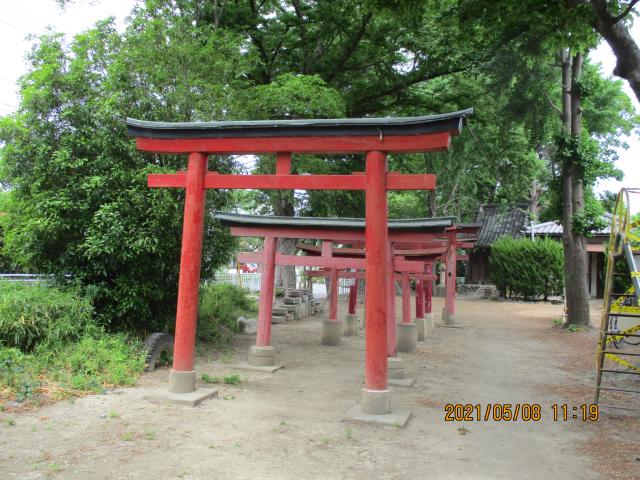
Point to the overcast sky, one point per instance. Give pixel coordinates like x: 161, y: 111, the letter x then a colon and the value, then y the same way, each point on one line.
x: 18, y: 18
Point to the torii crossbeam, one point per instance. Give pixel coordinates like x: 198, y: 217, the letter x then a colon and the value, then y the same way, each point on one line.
x: 374, y: 137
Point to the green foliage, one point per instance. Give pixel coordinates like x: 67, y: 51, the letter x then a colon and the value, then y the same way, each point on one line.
x: 95, y: 361
x: 58, y: 369
x: 526, y: 268
x: 292, y: 96
x: 80, y: 205
x: 220, y: 307
x: 206, y: 378
x: 232, y: 379
x: 32, y: 314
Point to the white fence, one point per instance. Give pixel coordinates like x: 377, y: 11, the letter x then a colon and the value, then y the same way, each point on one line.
x: 251, y: 281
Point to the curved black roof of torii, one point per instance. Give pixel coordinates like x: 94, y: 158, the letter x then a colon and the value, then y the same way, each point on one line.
x: 388, y: 126
x: 434, y: 224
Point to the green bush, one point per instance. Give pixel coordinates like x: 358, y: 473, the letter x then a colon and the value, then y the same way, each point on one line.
x: 220, y: 307
x: 31, y: 314
x: 60, y: 369
x: 525, y: 268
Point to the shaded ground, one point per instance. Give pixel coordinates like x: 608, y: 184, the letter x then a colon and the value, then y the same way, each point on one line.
x: 289, y: 425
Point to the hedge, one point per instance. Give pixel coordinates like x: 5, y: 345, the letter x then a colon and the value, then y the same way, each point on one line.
x: 526, y: 268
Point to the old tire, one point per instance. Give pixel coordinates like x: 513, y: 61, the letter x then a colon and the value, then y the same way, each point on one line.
x: 159, y: 348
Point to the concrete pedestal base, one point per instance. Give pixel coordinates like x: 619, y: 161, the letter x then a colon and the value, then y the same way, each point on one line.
x: 351, y: 325
x: 191, y: 399
x: 182, y: 382
x: 428, y: 323
x: 259, y: 368
x: 276, y: 319
x: 395, y: 368
x: 396, y: 418
x: 332, y: 332
x: 407, y: 337
x: 448, y: 319
x: 376, y: 402
x: 396, y: 374
x: 261, y: 356
x: 420, y: 328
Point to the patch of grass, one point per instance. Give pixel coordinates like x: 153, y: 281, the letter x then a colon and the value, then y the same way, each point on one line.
x: 558, y: 322
x: 576, y: 328
x: 60, y: 370
x: 232, y: 379
x: 229, y: 397
x: 54, y: 467
x: 226, y: 357
x: 127, y: 437
x: 150, y: 435
x: 220, y: 307
x: 11, y: 422
x: 114, y: 415
x: 348, y: 433
x: 33, y: 314
x: 206, y: 378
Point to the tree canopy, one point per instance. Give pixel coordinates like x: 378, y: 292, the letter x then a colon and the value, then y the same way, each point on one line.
x: 79, y: 206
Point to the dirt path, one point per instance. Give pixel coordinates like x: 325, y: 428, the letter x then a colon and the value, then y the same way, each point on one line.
x: 288, y: 425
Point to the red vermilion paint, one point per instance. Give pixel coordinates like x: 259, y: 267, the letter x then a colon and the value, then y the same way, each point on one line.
x: 190, y: 259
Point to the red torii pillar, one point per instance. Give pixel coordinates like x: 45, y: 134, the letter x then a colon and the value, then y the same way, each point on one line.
x: 420, y: 309
x: 428, y: 301
x: 449, y: 309
x: 407, y: 330
x: 351, y: 320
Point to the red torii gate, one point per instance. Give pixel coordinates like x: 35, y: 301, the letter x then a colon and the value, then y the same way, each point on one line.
x: 374, y: 137
x: 421, y: 244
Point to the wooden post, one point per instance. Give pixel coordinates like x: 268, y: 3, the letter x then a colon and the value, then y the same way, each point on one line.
x: 392, y: 336
x: 333, y: 300
x: 406, y: 298
x: 428, y: 291
x: 377, y: 245
x: 265, y: 308
x: 353, y: 297
x: 450, y: 279
x: 189, y: 281
x: 420, y: 297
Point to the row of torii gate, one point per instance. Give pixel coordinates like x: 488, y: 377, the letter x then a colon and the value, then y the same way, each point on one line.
x: 414, y: 247
x: 386, y: 250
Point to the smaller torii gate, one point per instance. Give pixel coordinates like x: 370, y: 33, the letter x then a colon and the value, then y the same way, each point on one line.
x: 414, y: 246
x: 373, y: 137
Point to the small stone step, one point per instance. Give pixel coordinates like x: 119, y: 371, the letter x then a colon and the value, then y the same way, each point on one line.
x: 278, y: 318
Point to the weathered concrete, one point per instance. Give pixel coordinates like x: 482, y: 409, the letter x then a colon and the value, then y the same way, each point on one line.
x: 376, y: 402
x: 191, y: 399
x: 397, y: 418
x: 332, y: 332
x: 182, y: 382
x: 448, y: 319
x: 420, y: 327
x: 428, y: 323
x: 395, y: 368
x: 351, y: 325
x: 407, y: 337
x: 261, y: 356
x: 278, y: 318
x: 259, y: 368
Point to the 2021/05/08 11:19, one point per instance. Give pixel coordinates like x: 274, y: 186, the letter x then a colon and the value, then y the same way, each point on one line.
x: 525, y: 412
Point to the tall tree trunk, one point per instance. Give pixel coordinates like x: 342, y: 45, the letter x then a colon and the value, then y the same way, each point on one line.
x: 282, y: 204
x: 621, y: 42
x: 575, y: 243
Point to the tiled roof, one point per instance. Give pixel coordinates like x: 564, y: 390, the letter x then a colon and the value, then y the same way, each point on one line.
x: 554, y: 228
x: 498, y: 220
